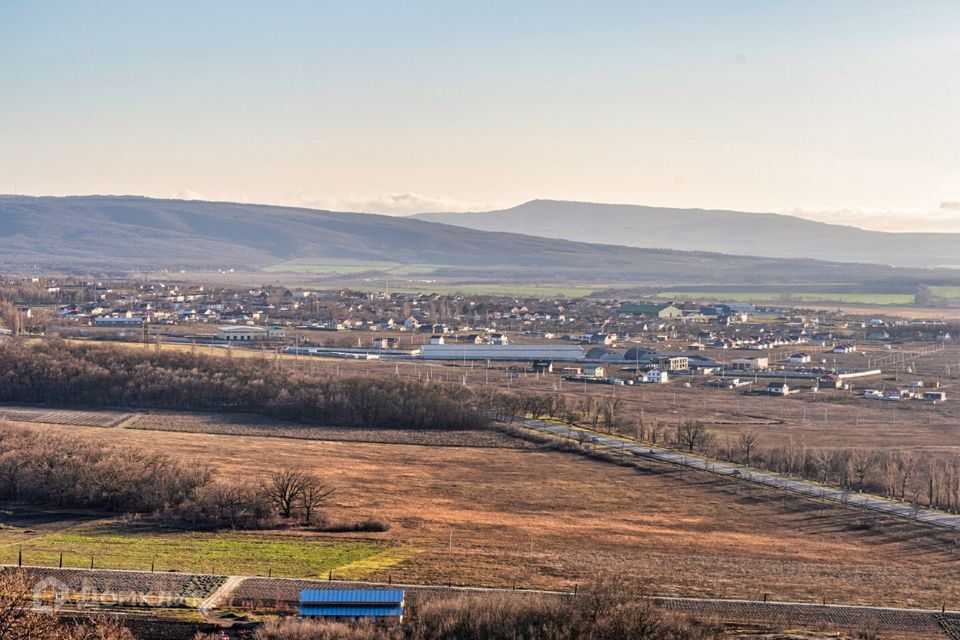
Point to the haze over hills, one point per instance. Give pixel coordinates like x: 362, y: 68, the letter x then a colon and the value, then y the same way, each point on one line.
x: 732, y: 232
x: 117, y: 234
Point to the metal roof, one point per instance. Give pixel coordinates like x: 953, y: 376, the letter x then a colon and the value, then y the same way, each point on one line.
x: 350, y: 611
x: 351, y: 597
x: 514, y: 352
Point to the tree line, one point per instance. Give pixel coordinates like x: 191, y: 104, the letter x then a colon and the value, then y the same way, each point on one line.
x: 923, y: 480
x: 47, y: 469
x: 55, y: 372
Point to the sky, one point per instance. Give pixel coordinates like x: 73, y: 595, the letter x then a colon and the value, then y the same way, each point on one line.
x: 845, y: 111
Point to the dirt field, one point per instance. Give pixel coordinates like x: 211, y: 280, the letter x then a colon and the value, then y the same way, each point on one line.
x: 551, y: 519
x: 252, y: 425
x: 96, y: 418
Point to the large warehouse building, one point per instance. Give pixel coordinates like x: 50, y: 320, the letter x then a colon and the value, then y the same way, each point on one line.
x: 505, y: 352
x: 249, y: 333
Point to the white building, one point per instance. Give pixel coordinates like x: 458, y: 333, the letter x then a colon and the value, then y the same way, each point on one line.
x: 245, y: 333
x: 655, y: 376
x: 752, y: 363
x: 516, y: 353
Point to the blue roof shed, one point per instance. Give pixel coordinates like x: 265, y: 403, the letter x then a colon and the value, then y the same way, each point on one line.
x: 353, y: 604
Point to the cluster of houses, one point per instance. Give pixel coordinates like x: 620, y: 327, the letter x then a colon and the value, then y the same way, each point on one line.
x: 913, y: 391
x: 655, y: 342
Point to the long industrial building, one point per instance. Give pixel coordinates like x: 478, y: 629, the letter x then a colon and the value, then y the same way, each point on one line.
x: 511, y: 352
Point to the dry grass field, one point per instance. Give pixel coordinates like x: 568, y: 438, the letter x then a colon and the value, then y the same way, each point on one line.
x: 96, y: 418
x: 253, y: 425
x: 828, y: 419
x: 540, y: 518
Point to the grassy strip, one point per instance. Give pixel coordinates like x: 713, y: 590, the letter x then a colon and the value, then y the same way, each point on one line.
x: 787, y: 296
x: 114, y: 546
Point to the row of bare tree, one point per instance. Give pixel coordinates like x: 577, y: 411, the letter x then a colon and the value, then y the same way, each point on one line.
x: 903, y: 475
x: 55, y: 372
x: 60, y: 470
x: 899, y: 474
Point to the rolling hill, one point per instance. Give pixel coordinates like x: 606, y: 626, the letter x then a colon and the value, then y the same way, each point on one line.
x: 119, y: 234
x: 732, y: 232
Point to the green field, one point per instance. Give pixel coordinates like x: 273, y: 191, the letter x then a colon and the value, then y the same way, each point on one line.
x: 791, y: 296
x: 519, y: 289
x: 349, y: 267
x: 945, y: 292
x: 479, y: 288
x: 115, y: 546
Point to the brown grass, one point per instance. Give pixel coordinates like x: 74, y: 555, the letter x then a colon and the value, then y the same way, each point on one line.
x: 252, y: 425
x: 550, y: 519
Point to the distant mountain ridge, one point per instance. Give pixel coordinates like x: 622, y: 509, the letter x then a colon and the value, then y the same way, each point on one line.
x: 118, y: 234
x: 731, y: 232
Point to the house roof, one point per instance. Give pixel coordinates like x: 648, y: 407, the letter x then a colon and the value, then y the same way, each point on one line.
x: 639, y: 309
x: 321, y: 597
x: 351, y: 611
x: 241, y: 328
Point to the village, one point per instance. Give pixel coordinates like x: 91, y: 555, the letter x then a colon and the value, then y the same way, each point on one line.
x: 775, y: 351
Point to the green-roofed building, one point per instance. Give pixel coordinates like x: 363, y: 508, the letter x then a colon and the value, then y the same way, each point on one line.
x: 650, y: 310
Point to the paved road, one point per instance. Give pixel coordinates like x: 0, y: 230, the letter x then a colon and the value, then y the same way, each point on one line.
x: 750, y: 474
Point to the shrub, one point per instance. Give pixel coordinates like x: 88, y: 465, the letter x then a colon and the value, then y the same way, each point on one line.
x: 370, y: 525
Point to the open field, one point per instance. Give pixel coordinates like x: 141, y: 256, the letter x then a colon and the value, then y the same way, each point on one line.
x: 829, y: 418
x: 341, y: 267
x: 118, y: 545
x: 791, y: 296
x: 551, y: 519
x: 546, y: 290
x: 400, y: 280
x: 945, y: 291
x: 894, y: 311
x: 96, y: 418
x: 250, y: 425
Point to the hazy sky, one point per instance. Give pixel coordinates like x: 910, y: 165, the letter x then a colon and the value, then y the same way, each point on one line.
x: 809, y: 105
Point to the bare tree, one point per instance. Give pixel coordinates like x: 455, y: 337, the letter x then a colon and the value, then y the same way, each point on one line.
x: 285, y: 489
x: 10, y: 317
x: 693, y: 435
x: 748, y: 443
x: 313, y: 496
x: 21, y: 620
x: 861, y: 462
x: 611, y: 410
x: 18, y: 620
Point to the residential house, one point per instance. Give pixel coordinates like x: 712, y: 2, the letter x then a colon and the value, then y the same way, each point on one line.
x: 779, y: 388
x: 654, y: 376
